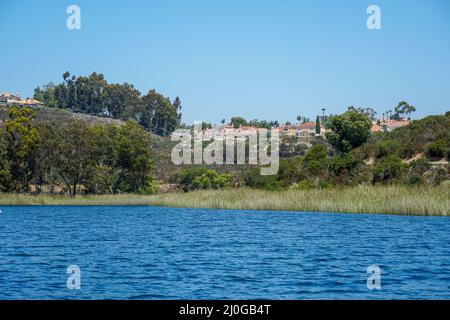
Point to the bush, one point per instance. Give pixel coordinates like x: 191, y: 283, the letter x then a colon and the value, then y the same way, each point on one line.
x: 346, y: 169
x: 187, y: 175
x: 315, y: 163
x: 387, y: 148
x: 303, y: 185
x: 438, y: 150
x: 414, y: 180
x: 253, y: 179
x: 391, y: 168
x: 436, y: 176
x: 289, y: 170
x: 212, y: 180
x: 203, y: 178
x: 349, y: 130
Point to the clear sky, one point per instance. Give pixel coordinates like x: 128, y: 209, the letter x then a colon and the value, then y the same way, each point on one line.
x: 258, y: 59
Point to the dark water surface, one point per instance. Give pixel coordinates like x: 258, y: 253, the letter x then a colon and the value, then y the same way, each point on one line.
x: 127, y: 252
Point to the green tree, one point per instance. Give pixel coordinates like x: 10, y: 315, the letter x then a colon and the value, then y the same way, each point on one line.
x: 21, y: 137
x: 349, y: 130
x: 370, y: 112
x: 315, y: 162
x: 238, y: 121
x: 388, y: 170
x: 438, y: 149
x: 5, y: 164
x: 123, y: 159
x: 402, y: 110
x: 211, y: 179
x: 318, y: 125
x: 73, y: 154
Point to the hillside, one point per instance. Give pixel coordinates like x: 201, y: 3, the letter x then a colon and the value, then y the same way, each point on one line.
x: 45, y: 114
x: 427, y: 137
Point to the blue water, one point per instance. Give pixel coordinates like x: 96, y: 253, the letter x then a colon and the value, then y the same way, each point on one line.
x: 165, y: 253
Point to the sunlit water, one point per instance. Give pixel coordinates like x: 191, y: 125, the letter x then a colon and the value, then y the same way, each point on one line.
x: 127, y: 252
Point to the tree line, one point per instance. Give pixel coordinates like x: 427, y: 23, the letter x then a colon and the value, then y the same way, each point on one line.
x: 82, y: 158
x: 94, y: 95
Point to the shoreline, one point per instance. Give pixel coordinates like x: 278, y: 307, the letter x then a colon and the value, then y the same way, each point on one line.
x: 396, y: 200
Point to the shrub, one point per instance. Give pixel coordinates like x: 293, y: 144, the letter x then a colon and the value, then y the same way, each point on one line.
x: 202, y: 178
x: 436, y: 176
x: 315, y: 162
x: 391, y: 168
x: 349, y: 130
x: 303, y: 185
x: 187, y: 175
x: 438, y: 150
x: 347, y: 169
x: 414, y: 180
x: 212, y: 180
x: 387, y: 147
x: 253, y: 179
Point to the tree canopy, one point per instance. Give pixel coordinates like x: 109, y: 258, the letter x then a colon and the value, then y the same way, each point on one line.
x: 349, y: 130
x: 94, y: 95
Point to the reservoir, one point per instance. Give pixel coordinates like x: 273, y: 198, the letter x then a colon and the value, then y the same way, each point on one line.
x: 142, y: 252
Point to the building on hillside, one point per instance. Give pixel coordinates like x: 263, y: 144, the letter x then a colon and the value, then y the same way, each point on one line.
x: 31, y: 103
x: 218, y: 132
x: 287, y: 130
x: 244, y: 131
x: 394, y: 124
x: 309, y: 129
x: 376, y: 127
x: 8, y: 99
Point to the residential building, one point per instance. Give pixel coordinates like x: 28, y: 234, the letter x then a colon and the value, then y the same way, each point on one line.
x: 9, y: 99
x: 394, y: 124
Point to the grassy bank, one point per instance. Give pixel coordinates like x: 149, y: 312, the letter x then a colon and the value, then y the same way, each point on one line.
x: 391, y: 200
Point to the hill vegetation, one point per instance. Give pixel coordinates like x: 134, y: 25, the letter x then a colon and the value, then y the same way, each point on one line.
x: 55, y: 150
x: 95, y: 96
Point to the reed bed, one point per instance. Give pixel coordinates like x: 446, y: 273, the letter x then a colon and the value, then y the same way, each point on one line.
x: 424, y: 201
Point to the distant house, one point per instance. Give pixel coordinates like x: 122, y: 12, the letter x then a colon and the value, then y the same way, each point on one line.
x: 287, y: 130
x: 306, y: 129
x: 309, y: 129
x: 244, y: 131
x: 31, y: 103
x: 376, y: 127
x: 394, y: 124
x: 219, y: 132
x: 9, y: 99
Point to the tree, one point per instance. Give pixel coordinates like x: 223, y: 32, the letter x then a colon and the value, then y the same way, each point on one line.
x: 238, y: 121
x: 370, y: 112
x: 318, y: 125
x: 5, y: 164
x: 73, y: 154
x: 94, y: 95
x: 134, y: 164
x: 158, y: 114
x: 123, y: 161
x: 21, y: 137
x: 349, y: 130
x: 402, y: 110
x: 438, y: 149
x: 206, y: 125
x: 315, y: 162
x: 388, y: 169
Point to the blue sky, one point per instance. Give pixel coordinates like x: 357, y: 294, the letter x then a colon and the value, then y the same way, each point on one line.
x: 257, y: 59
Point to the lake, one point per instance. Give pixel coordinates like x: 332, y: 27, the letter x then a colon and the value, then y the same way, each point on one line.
x: 137, y: 252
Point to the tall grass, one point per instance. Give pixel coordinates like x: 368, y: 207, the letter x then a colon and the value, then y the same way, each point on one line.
x: 389, y: 200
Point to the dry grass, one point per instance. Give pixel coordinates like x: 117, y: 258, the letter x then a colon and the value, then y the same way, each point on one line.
x: 388, y: 200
